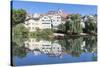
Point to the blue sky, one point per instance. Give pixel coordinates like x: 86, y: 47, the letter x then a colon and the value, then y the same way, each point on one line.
x: 41, y: 7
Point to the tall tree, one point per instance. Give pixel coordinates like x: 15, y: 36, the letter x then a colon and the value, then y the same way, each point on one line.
x: 62, y: 27
x: 18, y: 16
x: 73, y: 24
x: 91, y: 25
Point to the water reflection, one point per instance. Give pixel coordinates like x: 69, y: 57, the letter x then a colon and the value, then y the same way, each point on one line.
x: 44, y: 47
x: 75, y: 47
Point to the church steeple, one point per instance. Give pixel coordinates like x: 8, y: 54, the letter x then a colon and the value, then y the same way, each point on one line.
x: 60, y: 11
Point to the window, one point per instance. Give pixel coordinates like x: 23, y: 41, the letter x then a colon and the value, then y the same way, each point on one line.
x: 53, y: 47
x: 57, y: 20
x: 35, y: 23
x: 27, y: 23
x: 32, y: 23
x: 32, y: 27
x: 47, y: 20
x: 53, y: 20
x: 58, y: 17
x: 29, y: 27
x: 42, y: 48
x: 45, y: 17
x: 45, y: 23
x: 42, y: 20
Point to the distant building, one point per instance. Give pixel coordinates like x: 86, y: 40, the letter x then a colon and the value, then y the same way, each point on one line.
x: 43, y: 21
x: 51, y: 19
x: 55, y: 20
x: 57, y: 17
x: 33, y: 22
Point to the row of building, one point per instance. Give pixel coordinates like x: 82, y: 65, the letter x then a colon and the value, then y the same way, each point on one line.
x: 49, y: 20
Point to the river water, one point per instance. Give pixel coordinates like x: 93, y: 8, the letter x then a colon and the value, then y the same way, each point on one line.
x: 66, y: 50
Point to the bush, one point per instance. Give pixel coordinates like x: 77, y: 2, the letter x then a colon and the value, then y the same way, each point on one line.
x: 41, y: 34
x: 19, y: 34
x: 18, y: 16
x: 90, y: 25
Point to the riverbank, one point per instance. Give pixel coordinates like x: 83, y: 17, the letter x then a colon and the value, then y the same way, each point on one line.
x: 81, y: 34
x: 61, y: 36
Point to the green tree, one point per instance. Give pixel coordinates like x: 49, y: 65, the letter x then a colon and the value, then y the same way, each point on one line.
x: 48, y: 31
x: 17, y: 50
x: 18, y: 16
x: 73, y: 46
x: 90, y: 25
x: 42, y: 34
x: 62, y: 27
x: 73, y: 24
x: 91, y: 43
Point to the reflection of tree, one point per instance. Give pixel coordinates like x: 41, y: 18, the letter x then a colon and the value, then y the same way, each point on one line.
x: 91, y: 43
x: 94, y: 57
x: 18, y: 51
x: 76, y: 46
x: 72, y: 45
x: 19, y: 34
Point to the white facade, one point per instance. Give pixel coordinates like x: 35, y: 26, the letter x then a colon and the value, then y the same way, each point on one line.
x: 36, y: 21
x: 45, y: 22
x: 32, y: 22
x: 55, y: 20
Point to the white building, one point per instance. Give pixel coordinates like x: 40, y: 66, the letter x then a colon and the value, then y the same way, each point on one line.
x: 33, y: 22
x: 36, y: 21
x: 55, y: 20
x: 49, y: 20
x: 57, y: 17
x: 45, y: 22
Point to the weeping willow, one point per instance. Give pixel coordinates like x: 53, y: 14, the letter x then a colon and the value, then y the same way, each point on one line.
x: 73, y: 24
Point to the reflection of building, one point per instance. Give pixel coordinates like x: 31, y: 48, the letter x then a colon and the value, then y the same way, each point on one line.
x: 46, y: 47
x: 73, y: 47
x: 56, y: 49
x: 43, y: 21
x: 32, y: 44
